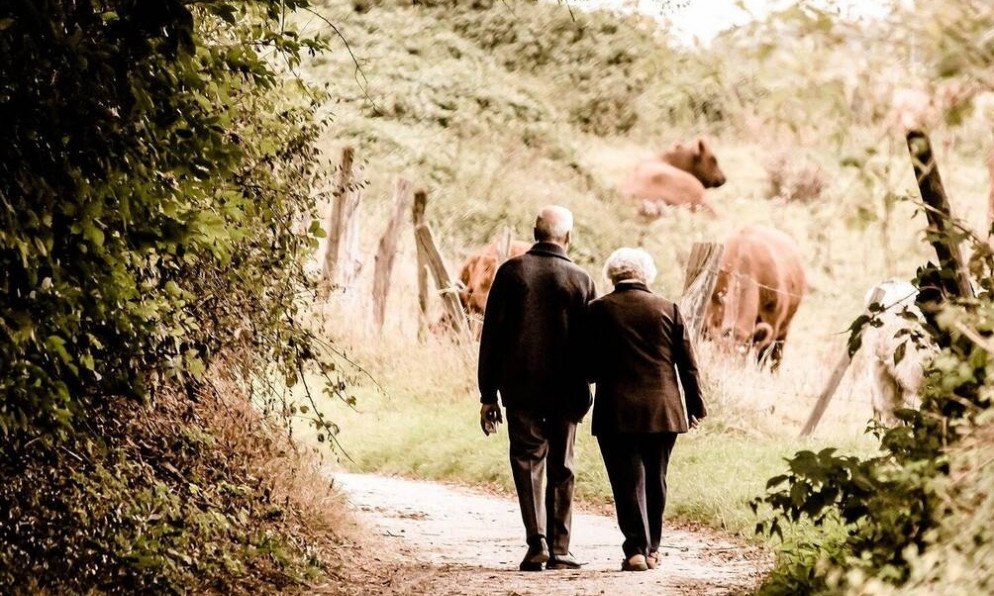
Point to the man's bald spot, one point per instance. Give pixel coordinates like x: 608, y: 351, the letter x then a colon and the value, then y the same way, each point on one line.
x: 554, y: 223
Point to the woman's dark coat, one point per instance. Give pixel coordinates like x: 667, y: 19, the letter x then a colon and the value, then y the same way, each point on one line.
x: 637, y: 347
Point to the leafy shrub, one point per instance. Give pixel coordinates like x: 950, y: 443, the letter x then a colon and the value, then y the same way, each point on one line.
x: 184, y: 496
x: 891, y: 506
x: 153, y: 173
x: 602, y: 64
x: 157, y: 177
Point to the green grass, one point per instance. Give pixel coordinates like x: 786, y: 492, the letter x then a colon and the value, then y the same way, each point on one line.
x: 422, y: 421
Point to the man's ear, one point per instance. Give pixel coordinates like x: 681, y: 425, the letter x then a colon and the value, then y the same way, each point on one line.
x: 535, y: 234
x: 569, y: 237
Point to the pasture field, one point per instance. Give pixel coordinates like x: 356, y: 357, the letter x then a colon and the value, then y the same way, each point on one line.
x: 482, y: 107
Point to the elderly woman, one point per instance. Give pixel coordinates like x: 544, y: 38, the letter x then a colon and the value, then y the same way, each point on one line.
x: 637, y: 346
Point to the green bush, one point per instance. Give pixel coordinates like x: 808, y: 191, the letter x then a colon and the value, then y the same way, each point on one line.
x: 152, y: 175
x: 157, y: 176
x: 891, y: 506
x: 601, y: 63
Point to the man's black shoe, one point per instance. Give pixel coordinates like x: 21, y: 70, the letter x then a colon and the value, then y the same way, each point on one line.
x: 537, y: 555
x: 563, y: 562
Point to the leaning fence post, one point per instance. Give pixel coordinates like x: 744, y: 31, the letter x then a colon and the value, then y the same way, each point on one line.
x: 836, y: 377
x: 336, y: 218
x: 341, y: 263
x: 443, y: 281
x: 431, y: 259
x: 504, y: 246
x: 939, y: 216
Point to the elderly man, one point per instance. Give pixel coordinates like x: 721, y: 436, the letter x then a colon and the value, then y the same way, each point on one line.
x: 530, y: 353
x: 637, y: 346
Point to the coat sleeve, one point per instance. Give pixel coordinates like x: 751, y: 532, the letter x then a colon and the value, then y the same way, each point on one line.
x: 588, y: 333
x: 589, y: 358
x: 686, y: 363
x: 492, y: 344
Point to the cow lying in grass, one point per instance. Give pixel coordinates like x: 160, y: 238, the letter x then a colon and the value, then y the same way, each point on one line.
x: 676, y: 177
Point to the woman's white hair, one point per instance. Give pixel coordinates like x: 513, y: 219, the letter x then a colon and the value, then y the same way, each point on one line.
x: 630, y: 264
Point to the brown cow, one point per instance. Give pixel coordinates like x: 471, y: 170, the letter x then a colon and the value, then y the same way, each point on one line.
x: 477, y: 275
x: 676, y: 177
x: 760, y: 285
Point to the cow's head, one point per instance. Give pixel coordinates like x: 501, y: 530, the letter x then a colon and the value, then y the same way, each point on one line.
x: 475, y: 279
x: 698, y: 160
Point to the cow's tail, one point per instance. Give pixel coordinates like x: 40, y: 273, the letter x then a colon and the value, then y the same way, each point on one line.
x: 762, y: 336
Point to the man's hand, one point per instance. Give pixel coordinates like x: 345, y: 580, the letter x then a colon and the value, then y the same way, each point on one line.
x: 490, y: 417
x: 695, y: 422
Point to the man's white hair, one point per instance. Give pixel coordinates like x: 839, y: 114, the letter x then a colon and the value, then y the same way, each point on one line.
x: 553, y: 223
x: 630, y: 264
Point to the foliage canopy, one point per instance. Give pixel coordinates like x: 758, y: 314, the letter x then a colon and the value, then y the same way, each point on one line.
x: 155, y: 181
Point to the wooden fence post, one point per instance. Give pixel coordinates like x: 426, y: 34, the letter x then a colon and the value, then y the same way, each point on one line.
x: 418, y: 219
x: 938, y: 213
x: 387, y: 251
x: 698, y: 284
x: 341, y: 263
x: 835, y: 378
x: 429, y: 258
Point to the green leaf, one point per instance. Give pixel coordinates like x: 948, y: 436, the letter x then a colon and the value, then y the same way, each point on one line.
x: 899, y: 352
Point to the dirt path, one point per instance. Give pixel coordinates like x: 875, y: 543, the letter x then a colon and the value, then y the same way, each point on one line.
x: 459, y: 541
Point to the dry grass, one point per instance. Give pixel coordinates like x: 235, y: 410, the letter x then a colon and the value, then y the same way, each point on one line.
x: 259, y: 448
x: 790, y: 180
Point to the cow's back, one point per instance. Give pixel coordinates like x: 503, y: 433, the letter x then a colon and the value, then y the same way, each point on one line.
x: 778, y: 266
x: 768, y: 256
x: 760, y: 285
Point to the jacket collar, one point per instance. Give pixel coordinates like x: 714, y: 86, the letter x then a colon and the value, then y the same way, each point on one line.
x: 548, y: 249
x: 631, y: 285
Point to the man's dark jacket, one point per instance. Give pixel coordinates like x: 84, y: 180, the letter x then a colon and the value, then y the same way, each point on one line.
x: 531, y: 345
x: 637, y: 344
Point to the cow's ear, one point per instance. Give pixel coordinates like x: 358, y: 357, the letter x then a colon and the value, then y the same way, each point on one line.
x: 702, y: 146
